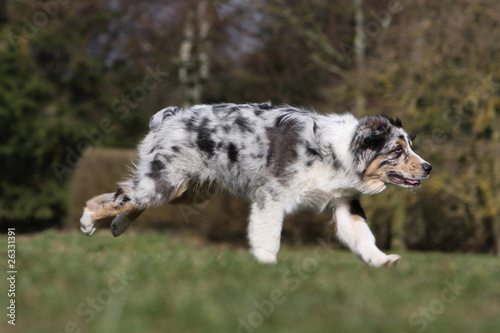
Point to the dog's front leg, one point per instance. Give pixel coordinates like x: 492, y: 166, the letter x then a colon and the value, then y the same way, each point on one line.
x: 354, y: 232
x: 264, y: 230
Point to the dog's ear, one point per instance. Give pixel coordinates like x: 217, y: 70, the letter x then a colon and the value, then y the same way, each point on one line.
x: 398, y: 122
x: 412, y: 137
x: 371, y: 133
x: 369, y: 139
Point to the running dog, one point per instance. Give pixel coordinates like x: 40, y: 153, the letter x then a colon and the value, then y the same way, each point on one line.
x: 280, y: 158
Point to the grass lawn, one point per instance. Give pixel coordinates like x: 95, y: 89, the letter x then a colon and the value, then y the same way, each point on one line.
x: 67, y: 282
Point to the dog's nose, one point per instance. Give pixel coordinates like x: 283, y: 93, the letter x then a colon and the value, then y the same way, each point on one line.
x: 427, y: 167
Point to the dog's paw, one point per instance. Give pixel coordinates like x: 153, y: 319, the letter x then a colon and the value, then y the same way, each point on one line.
x: 393, y: 260
x: 264, y: 257
x: 120, y: 224
x: 87, y: 225
x: 382, y: 259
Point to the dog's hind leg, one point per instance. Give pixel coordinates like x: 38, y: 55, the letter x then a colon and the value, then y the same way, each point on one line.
x: 353, y: 231
x: 123, y: 221
x: 126, y: 204
x: 105, y: 207
x: 264, y: 229
x: 168, y: 194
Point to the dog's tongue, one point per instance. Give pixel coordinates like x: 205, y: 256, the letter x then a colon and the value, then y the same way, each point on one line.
x: 411, y: 181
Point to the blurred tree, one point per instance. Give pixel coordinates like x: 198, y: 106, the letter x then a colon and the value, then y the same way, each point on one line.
x: 194, y: 54
x: 30, y: 140
x: 334, y: 37
x: 91, y: 73
x: 437, y: 67
x: 359, y: 51
x: 48, y: 92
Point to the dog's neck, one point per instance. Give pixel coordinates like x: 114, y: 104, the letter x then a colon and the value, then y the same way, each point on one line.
x: 340, y: 137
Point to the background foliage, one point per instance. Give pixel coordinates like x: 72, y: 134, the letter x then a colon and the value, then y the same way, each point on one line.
x: 76, y: 75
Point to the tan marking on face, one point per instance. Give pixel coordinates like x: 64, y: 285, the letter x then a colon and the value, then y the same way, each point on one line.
x: 373, y: 172
x: 408, y: 166
x: 402, y: 143
x: 374, y: 178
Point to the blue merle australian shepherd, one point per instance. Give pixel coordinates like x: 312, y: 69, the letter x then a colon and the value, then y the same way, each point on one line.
x: 279, y: 158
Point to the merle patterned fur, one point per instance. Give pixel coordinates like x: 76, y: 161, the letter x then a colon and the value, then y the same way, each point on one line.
x: 280, y: 158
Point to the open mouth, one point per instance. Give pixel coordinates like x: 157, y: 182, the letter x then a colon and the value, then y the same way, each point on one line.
x: 402, y: 181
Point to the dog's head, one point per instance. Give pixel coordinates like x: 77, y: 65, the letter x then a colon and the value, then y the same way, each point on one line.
x: 383, y: 155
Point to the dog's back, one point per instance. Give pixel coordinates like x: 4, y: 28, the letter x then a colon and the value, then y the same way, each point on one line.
x: 240, y: 147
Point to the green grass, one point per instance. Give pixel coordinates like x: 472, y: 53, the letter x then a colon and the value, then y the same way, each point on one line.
x: 66, y: 282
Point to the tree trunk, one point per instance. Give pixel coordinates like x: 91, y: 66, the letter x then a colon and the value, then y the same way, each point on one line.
x: 193, y: 54
x: 3, y: 12
x: 185, y: 55
x: 396, y: 229
x: 496, y: 234
x: 359, y: 50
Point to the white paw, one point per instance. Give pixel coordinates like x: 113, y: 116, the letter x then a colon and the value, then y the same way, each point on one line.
x: 393, y: 260
x: 87, y: 225
x: 120, y: 224
x: 383, y: 260
x: 264, y: 257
